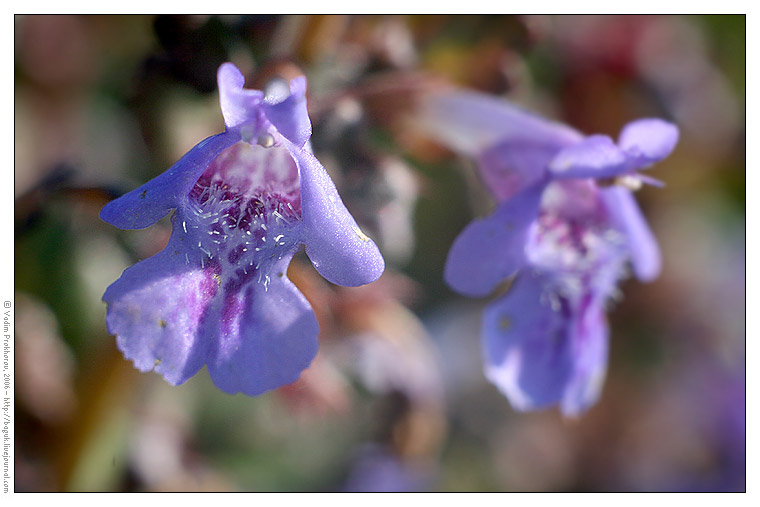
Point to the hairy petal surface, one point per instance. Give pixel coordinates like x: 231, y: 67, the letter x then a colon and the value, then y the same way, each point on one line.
x: 151, y: 202
x: 490, y: 250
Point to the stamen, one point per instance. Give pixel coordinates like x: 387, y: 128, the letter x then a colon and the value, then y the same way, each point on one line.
x: 245, y: 222
x: 629, y: 181
x: 265, y: 140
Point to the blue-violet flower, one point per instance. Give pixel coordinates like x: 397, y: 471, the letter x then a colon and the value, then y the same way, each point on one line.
x: 244, y: 202
x: 566, y: 222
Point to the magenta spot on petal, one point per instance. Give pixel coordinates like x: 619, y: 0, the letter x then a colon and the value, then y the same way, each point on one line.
x: 252, y: 171
x: 241, y: 278
x: 236, y: 253
x: 210, y: 285
x: 232, y: 308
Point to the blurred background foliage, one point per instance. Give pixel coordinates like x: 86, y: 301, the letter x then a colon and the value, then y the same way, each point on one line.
x: 396, y: 399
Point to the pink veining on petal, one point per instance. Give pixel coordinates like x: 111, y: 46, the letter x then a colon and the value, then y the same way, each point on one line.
x: 255, y: 172
x: 573, y: 237
x: 243, y: 215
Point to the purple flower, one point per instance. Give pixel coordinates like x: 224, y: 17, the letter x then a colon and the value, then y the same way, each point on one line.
x: 566, y: 222
x: 378, y: 469
x: 244, y: 202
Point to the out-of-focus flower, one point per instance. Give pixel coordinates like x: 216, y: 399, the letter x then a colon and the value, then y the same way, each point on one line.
x: 567, y: 222
x: 245, y: 201
x: 378, y: 470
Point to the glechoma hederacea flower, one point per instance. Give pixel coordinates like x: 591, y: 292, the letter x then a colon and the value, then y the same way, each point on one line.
x: 566, y: 223
x: 243, y: 202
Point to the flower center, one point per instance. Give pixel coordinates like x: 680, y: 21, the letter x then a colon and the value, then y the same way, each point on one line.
x: 573, y: 239
x: 243, y: 214
x: 253, y: 170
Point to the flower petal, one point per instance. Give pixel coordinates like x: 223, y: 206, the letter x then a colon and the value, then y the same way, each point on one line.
x: 290, y: 117
x: 527, y: 352
x: 590, y: 338
x: 595, y: 157
x: 149, y: 203
x: 339, y: 250
x: 627, y: 218
x: 266, y: 336
x: 157, y: 308
x: 469, y: 122
x: 381, y: 470
x: 491, y: 249
x: 648, y: 140
x: 239, y: 105
x: 511, y: 166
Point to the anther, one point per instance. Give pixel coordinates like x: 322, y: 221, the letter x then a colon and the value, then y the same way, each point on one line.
x: 265, y: 140
x: 629, y: 181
